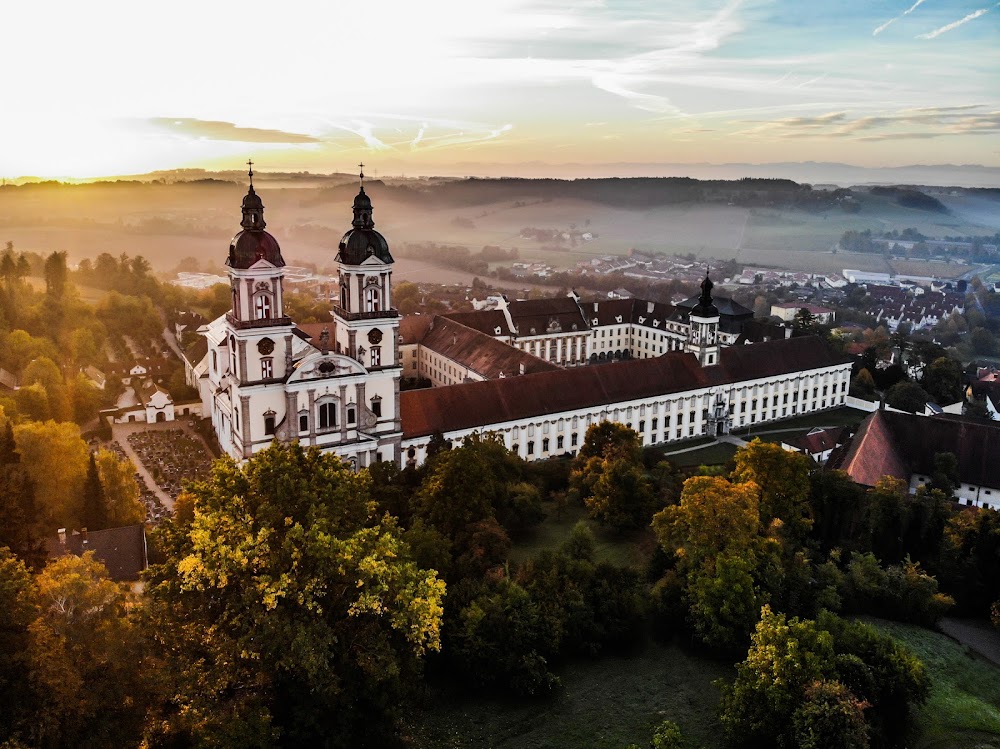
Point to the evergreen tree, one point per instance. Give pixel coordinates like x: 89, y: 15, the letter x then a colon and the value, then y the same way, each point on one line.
x: 8, y: 447
x: 95, y: 511
x: 18, y: 513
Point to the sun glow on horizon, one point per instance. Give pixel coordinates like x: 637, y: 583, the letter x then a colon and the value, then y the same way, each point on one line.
x: 425, y: 87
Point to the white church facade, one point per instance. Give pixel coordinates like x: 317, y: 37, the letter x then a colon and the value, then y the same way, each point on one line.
x: 264, y: 379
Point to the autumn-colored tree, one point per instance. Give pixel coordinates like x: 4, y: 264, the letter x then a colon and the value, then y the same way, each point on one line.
x: 71, y: 661
x: 286, y: 608
x: 783, y: 479
x: 715, y: 535
x: 712, y: 518
x: 56, y: 459
x: 120, y: 489
x: 19, y: 527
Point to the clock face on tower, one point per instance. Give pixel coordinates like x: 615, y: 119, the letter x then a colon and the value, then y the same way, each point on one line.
x: 375, y: 336
x: 265, y: 346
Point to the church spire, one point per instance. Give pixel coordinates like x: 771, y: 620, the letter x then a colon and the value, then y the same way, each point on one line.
x: 363, y: 206
x: 253, y: 207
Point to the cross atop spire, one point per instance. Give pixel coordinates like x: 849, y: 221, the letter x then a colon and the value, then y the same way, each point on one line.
x: 250, y: 164
x: 362, y: 168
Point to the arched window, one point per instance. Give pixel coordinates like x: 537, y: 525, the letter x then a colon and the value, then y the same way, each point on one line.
x: 351, y: 414
x: 232, y: 351
x: 327, y: 415
x: 372, y: 299
x: 262, y: 306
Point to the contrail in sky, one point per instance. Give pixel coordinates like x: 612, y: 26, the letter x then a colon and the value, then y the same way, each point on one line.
x: 891, y: 21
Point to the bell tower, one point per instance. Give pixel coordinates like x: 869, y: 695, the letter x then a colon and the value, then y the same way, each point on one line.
x: 366, y: 324
x: 703, y: 330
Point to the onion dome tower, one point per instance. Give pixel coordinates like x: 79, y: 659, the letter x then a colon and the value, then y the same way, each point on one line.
x: 703, y: 329
x: 259, y: 335
x: 362, y: 241
x: 253, y: 243
x: 367, y: 325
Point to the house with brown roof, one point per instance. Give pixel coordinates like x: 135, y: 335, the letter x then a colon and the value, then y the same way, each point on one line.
x: 818, y: 443
x: 121, y: 550
x: 904, y: 446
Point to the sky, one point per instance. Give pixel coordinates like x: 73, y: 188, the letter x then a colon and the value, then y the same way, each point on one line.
x: 115, y: 87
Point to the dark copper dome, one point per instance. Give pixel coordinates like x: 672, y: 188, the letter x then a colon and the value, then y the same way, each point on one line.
x: 363, y: 241
x: 251, y: 245
x: 706, y: 307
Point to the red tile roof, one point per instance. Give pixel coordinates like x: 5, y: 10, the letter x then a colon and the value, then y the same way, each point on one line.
x: 898, y: 444
x: 480, y: 352
x: 413, y: 328
x: 475, y: 404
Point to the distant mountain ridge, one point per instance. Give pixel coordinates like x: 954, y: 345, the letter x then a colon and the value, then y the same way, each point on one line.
x: 811, y: 172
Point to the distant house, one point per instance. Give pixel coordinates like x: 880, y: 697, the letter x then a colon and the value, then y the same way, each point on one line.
x: 818, y: 443
x: 904, y: 446
x: 121, y: 550
x: 8, y: 380
x: 787, y: 311
x: 96, y: 376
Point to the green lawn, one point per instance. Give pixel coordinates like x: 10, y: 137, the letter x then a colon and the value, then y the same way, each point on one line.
x: 602, y: 704
x: 710, y: 455
x: 631, y: 548
x: 963, y: 711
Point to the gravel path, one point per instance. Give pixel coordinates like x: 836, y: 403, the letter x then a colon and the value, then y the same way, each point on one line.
x: 976, y: 633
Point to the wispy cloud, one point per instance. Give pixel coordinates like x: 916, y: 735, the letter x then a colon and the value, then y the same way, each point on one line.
x: 891, y: 21
x: 218, y: 130
x: 919, y: 123
x: 960, y: 22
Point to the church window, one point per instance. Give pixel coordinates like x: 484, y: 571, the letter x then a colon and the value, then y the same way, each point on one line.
x: 377, y: 405
x: 351, y: 415
x: 573, y: 439
x: 327, y: 415
x: 269, y: 423
x: 232, y: 349
x: 215, y: 361
x: 266, y: 368
x: 372, y: 299
x: 531, y: 447
x: 303, y: 422
x: 262, y: 306
x: 559, y: 442
x: 345, y: 298
x: 642, y: 427
x: 376, y: 356
x: 545, y: 445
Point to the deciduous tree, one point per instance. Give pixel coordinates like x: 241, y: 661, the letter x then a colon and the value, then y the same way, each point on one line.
x: 288, y: 607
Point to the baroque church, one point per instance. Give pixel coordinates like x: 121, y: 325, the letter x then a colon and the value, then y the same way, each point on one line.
x: 538, y: 373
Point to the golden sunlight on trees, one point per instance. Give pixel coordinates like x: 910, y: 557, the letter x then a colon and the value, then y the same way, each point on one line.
x: 287, y: 606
